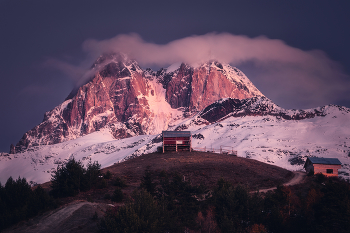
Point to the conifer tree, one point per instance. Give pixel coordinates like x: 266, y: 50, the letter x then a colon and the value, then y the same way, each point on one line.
x: 71, y: 178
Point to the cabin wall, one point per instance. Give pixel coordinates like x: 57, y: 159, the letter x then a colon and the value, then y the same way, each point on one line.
x: 176, y: 140
x: 322, y: 168
x: 176, y: 143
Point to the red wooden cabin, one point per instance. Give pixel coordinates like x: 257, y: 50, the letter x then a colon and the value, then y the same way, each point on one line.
x: 176, y: 140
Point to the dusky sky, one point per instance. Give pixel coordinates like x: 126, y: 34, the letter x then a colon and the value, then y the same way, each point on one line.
x: 295, y: 52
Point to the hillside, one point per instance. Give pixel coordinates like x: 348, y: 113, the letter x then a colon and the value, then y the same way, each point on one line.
x: 203, y: 168
x: 198, y: 167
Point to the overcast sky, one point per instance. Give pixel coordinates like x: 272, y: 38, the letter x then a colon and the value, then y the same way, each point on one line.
x: 295, y: 52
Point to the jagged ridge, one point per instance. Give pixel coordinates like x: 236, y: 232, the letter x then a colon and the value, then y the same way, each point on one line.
x: 256, y: 106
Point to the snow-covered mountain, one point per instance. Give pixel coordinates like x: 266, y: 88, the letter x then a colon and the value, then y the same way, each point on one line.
x: 120, y: 112
x: 128, y: 101
x: 255, y: 127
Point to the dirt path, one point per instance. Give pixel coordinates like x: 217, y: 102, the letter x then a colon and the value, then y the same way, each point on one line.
x: 298, y: 178
x: 74, y: 217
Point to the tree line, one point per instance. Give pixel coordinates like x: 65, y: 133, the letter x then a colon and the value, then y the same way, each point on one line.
x: 19, y: 201
x: 71, y: 178
x: 165, y: 202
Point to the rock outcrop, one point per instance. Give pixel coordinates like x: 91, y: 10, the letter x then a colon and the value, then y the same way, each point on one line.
x: 113, y: 96
x: 199, y: 87
x: 256, y: 106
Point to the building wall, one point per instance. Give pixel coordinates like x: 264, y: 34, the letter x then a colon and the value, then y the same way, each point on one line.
x: 176, y: 143
x: 322, y: 168
x: 177, y: 140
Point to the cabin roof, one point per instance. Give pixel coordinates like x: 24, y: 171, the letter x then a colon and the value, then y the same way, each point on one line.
x: 176, y: 133
x: 328, y: 161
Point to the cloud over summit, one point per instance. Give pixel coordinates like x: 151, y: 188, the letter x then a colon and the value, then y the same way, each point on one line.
x: 225, y: 47
x: 291, y: 77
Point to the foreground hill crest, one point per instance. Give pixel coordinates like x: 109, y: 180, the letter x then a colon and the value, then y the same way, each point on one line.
x: 130, y: 101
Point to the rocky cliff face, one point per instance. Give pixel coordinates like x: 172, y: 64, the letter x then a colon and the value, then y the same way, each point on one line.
x: 256, y: 106
x: 129, y: 101
x: 113, y: 98
x: 196, y: 88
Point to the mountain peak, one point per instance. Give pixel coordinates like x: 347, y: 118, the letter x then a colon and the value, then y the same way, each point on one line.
x: 214, y: 100
x: 124, y: 98
x: 111, y: 57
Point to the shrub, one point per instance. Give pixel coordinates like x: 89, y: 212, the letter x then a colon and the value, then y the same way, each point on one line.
x: 117, y: 195
x: 178, y: 198
x: 148, y: 183
x: 235, y: 209
x: 320, y: 178
x: 141, y: 215
x: 107, y: 175
x: 93, y: 174
x: 102, y: 183
x: 68, y: 179
x: 95, y: 216
x: 119, y: 182
x: 107, y: 196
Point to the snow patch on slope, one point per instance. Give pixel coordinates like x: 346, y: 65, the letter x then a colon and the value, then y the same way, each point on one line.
x: 269, y: 139
x: 235, y: 75
x: 37, y: 163
x: 173, y: 67
x: 285, y: 143
x: 162, y: 113
x: 274, y: 140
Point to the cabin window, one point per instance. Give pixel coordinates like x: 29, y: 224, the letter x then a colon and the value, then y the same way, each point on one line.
x: 329, y: 171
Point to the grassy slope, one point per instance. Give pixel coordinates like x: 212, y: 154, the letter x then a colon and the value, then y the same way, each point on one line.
x: 203, y: 167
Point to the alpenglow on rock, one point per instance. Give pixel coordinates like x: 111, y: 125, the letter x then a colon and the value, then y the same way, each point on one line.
x: 130, y: 101
x: 198, y: 87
